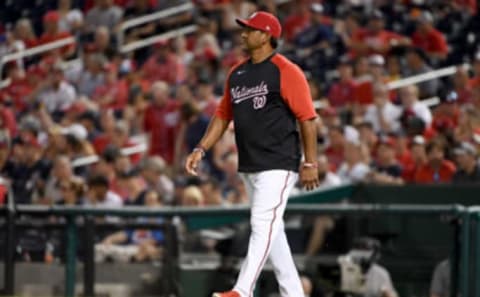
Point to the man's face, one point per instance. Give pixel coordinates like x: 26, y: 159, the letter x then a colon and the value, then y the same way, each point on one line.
x: 253, y: 39
x: 436, y: 155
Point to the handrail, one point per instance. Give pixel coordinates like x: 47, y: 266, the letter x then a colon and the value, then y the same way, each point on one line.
x: 397, y: 84
x: 35, y: 50
x: 171, y: 211
x: 151, y: 17
x: 84, y: 161
x: 156, y: 38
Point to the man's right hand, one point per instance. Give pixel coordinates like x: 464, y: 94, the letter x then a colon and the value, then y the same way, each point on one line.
x: 191, y: 164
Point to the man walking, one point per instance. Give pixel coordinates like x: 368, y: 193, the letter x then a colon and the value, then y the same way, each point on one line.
x: 266, y: 95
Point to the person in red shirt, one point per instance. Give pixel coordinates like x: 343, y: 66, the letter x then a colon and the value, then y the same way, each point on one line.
x: 419, y: 159
x: 52, y: 33
x: 17, y: 91
x: 437, y: 169
x: 114, y: 93
x: 428, y: 38
x: 446, y: 115
x: 375, y: 39
x: 335, y: 150
x: 161, y: 122
x: 297, y: 21
x: 341, y: 93
x: 164, y: 65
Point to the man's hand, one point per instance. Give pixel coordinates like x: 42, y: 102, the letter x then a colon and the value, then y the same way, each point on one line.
x: 309, y: 177
x: 191, y: 164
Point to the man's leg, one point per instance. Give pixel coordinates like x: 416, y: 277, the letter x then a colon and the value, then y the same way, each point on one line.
x: 269, y: 194
x: 284, y: 266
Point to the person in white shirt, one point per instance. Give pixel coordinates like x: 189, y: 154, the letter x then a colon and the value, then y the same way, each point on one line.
x: 355, y: 169
x: 99, y: 195
x: 411, y: 105
x: 56, y: 94
x: 383, y: 114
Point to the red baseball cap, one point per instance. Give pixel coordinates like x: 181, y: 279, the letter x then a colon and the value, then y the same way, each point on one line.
x: 51, y: 16
x: 263, y: 21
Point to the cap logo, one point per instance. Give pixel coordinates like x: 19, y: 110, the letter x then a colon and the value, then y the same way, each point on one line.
x: 268, y: 28
x: 253, y: 15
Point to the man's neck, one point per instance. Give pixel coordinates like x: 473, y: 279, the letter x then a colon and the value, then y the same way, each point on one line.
x: 259, y: 55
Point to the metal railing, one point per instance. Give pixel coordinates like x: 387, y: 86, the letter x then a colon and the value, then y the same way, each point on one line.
x: 465, y: 269
x: 149, y: 18
x: 34, y: 51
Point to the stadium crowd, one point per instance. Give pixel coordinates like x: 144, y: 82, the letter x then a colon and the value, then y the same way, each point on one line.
x: 55, y: 113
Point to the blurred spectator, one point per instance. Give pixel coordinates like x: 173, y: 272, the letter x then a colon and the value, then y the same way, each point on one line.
x: 367, y: 135
x: 52, y: 32
x: 446, y: 115
x: 154, y: 172
x: 377, y: 68
x: 355, y: 169
x: 61, y: 173
x: 161, y: 121
x: 92, y: 75
x: 212, y: 192
x: 416, y: 64
x: 375, y: 39
x: 26, y: 169
x: 194, y: 124
x: 104, y: 13
x: 54, y: 93
x: 71, y: 19
x: 336, y: 146
x: 341, y: 93
x: 99, y: 195
x: 394, y: 68
x: 25, y: 33
x: 107, y: 126
x: 192, y: 196
x: 113, y: 94
x: 387, y: 170
x: 77, y: 143
x: 412, y: 107
x: 72, y: 191
x: 235, y: 9
x: 462, y: 85
x: 102, y: 43
x: 4, y: 151
x: 16, y: 95
x: 297, y: 21
x: 429, y: 39
x: 383, y: 114
x: 419, y: 158
x: 207, y: 101
x: 468, y: 167
x: 183, y: 53
x: 134, y: 245
x: 316, y: 34
x: 164, y: 65
x: 438, y: 169
x: 135, y: 187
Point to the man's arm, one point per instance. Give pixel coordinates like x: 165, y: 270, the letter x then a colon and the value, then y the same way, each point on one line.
x: 215, y: 130
x: 308, y: 171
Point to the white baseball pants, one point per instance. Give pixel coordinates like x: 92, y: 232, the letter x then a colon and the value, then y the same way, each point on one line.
x: 269, y: 192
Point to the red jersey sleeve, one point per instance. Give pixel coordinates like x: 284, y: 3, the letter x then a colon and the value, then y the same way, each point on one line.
x: 294, y: 89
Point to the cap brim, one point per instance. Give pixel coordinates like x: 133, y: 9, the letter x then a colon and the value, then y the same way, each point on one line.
x: 243, y: 23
